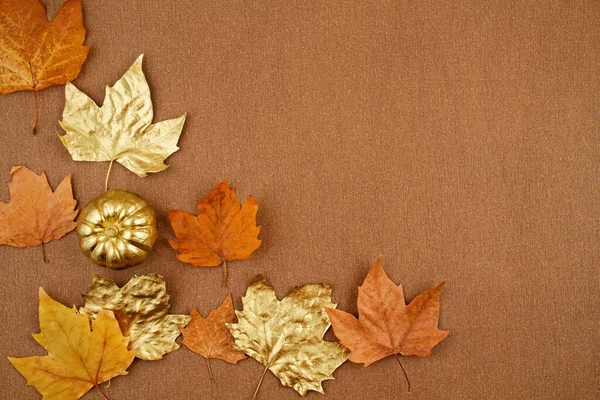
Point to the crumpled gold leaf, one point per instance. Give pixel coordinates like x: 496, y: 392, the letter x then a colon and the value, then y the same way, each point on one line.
x: 142, y: 309
x: 287, y: 336
x: 121, y: 130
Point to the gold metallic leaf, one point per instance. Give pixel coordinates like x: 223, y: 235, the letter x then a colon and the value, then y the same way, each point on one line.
x: 121, y: 130
x: 141, y: 307
x: 287, y: 336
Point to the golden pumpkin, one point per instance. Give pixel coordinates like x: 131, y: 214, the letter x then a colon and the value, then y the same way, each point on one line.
x: 117, y: 229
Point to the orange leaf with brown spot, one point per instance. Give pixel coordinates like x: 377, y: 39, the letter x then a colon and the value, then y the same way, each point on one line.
x: 35, y: 214
x: 210, y: 337
x: 386, y: 325
x: 222, y: 231
x: 35, y: 53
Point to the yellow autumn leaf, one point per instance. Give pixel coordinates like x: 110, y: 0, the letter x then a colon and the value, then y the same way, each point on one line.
x: 78, y: 359
x: 287, y: 336
x: 121, y: 130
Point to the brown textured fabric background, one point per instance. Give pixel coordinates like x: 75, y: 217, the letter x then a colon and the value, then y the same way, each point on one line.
x: 459, y: 139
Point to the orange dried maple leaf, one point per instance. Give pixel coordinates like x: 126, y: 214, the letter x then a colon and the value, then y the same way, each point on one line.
x: 35, y: 53
x: 386, y: 325
x: 35, y: 215
x: 210, y: 337
x: 222, y: 231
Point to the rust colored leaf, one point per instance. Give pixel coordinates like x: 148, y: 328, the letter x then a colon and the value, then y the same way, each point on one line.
x: 386, y: 325
x: 222, y: 231
x: 35, y: 214
x: 35, y: 53
x: 210, y: 337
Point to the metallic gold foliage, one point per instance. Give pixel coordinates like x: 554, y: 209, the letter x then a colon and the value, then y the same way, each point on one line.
x: 287, y: 336
x: 78, y: 359
x: 121, y: 130
x: 141, y: 307
x: 117, y: 229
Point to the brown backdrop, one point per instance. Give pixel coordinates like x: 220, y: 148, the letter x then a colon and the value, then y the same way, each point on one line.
x: 458, y: 139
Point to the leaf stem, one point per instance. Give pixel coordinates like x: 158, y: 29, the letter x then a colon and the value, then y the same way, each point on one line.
x: 403, y: 370
x: 224, y: 273
x: 101, y: 392
x: 37, y: 112
x: 212, y: 379
x: 44, y: 253
x: 254, y: 396
x: 107, y: 175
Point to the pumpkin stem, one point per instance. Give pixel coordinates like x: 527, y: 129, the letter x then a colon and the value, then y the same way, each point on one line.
x: 107, y: 175
x: 403, y: 370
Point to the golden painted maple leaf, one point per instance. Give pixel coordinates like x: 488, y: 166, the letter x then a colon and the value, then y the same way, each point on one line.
x: 35, y: 214
x: 78, y: 358
x: 35, y: 53
x: 386, y: 325
x: 121, y: 130
x: 287, y: 336
x: 222, y: 231
x: 142, y: 309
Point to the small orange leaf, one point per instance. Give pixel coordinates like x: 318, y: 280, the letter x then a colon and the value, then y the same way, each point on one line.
x: 35, y: 214
x: 222, y: 231
x: 386, y: 325
x: 35, y: 53
x: 210, y: 337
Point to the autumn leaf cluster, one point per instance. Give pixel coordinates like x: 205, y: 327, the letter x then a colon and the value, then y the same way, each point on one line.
x: 99, y: 341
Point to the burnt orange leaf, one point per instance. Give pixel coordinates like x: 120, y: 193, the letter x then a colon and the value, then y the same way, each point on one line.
x: 222, y: 231
x: 210, y: 337
x: 386, y: 325
x: 35, y: 214
x: 35, y: 53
